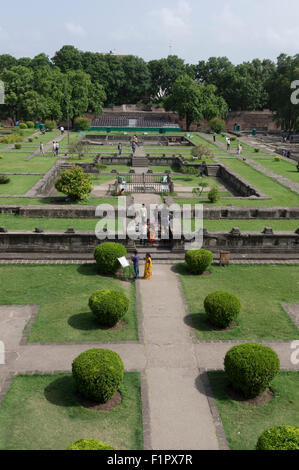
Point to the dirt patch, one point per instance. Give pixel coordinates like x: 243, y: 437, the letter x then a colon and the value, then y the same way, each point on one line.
x: 119, y: 326
x: 95, y: 406
x: 260, y: 400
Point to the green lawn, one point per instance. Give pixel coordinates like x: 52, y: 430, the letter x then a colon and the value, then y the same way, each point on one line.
x: 193, y: 181
x: 36, y: 201
x: 19, y: 184
x: 243, y: 424
x: 282, y: 168
x: 16, y: 162
x: 261, y: 289
x: 15, y: 222
x: 63, y: 291
x: 41, y: 412
x: 256, y: 225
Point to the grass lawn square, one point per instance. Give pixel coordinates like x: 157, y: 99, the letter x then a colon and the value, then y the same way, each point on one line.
x: 62, y: 292
x: 19, y: 184
x: 41, y: 412
x: 261, y: 290
x: 243, y: 424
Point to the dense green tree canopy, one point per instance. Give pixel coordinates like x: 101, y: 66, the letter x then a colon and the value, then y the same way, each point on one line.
x: 36, y: 88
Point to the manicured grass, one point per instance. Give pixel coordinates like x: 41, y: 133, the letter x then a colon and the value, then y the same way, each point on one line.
x: 63, y: 291
x: 282, y: 168
x: 191, y: 180
x: 35, y: 201
x: 256, y: 225
x: 15, y: 162
x: 41, y: 412
x: 243, y: 424
x: 261, y: 290
x: 19, y: 184
x: 281, y: 196
x: 15, y: 222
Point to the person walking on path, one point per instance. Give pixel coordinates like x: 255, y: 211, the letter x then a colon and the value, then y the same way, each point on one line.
x: 54, y: 148
x: 120, y: 149
x: 214, y: 137
x: 135, y: 260
x: 57, y: 149
x: 41, y: 149
x: 150, y: 233
x: 227, y: 144
x: 240, y: 148
x: 148, y: 268
x: 62, y: 130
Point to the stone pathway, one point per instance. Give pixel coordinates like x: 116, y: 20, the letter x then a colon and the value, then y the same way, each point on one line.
x: 178, y: 409
x: 47, y: 147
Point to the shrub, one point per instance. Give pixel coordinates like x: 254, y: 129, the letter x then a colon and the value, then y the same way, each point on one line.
x: 50, y: 125
x: 233, y: 139
x: 201, y: 150
x: 30, y: 124
x: 98, y: 374
x: 23, y: 126
x: 217, y: 125
x: 251, y: 367
x: 36, y: 137
x: 109, y: 306
x: 1, y: 156
x: 74, y: 183
x: 30, y: 139
x: 106, y: 256
x: 89, y: 444
x: 4, y: 179
x: 298, y: 166
x: 18, y: 146
x: 277, y: 159
x: 198, y: 261
x: 222, y: 308
x: 82, y: 123
x: 213, y: 195
x: 256, y: 150
x: 279, y: 438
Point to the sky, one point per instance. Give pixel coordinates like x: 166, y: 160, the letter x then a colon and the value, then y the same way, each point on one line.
x: 192, y: 29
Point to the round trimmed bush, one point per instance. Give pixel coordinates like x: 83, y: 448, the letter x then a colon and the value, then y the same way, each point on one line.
x: 4, y: 179
x: 279, y: 438
x: 198, y: 261
x: 23, y: 126
x: 89, y: 444
x: 222, y: 308
x: 18, y: 146
x: 251, y: 367
x: 109, y: 306
x: 98, y: 374
x: 106, y: 256
x: 30, y: 124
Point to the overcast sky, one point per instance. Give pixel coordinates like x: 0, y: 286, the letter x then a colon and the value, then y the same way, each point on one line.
x: 192, y: 29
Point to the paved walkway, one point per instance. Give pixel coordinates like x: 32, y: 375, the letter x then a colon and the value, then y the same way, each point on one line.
x: 47, y: 147
x: 178, y: 410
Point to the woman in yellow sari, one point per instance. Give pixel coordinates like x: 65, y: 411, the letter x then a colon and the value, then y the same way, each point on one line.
x: 148, y: 269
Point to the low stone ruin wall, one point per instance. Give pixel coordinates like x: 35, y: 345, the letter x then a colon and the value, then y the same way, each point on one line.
x: 85, y: 242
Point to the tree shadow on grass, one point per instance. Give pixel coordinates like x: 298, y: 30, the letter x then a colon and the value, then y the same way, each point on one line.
x: 88, y: 270
x: 213, y: 384
x: 83, y: 321
x: 62, y: 392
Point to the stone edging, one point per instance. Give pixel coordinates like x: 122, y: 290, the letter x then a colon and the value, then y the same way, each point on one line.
x: 214, y: 410
x: 27, y: 330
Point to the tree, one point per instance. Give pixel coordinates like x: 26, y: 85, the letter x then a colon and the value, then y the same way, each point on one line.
x: 18, y: 81
x: 279, y: 89
x: 40, y: 60
x: 202, y: 184
x: 164, y: 73
x: 195, y: 101
x: 68, y: 58
x: 74, y: 183
x: 6, y: 62
x: 201, y: 151
x: 137, y: 84
x: 217, y: 125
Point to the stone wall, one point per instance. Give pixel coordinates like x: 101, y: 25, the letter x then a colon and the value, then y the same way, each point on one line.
x: 85, y: 242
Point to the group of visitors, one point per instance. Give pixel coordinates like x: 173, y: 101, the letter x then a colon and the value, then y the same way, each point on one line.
x: 55, y: 148
x: 148, y: 268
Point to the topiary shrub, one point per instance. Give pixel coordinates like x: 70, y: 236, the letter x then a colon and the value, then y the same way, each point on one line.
x: 1, y: 156
x: 106, y: 255
x: 18, y: 146
x: 109, y: 306
x: 251, y: 367
x: 74, y: 183
x: 198, y: 261
x: 30, y: 124
x: 256, y: 150
x: 213, y: 195
x: 30, y: 139
x: 277, y: 159
x: 23, y: 126
x: 50, y: 125
x: 98, y: 374
x: 89, y: 444
x: 279, y: 438
x: 222, y: 308
x: 4, y: 179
